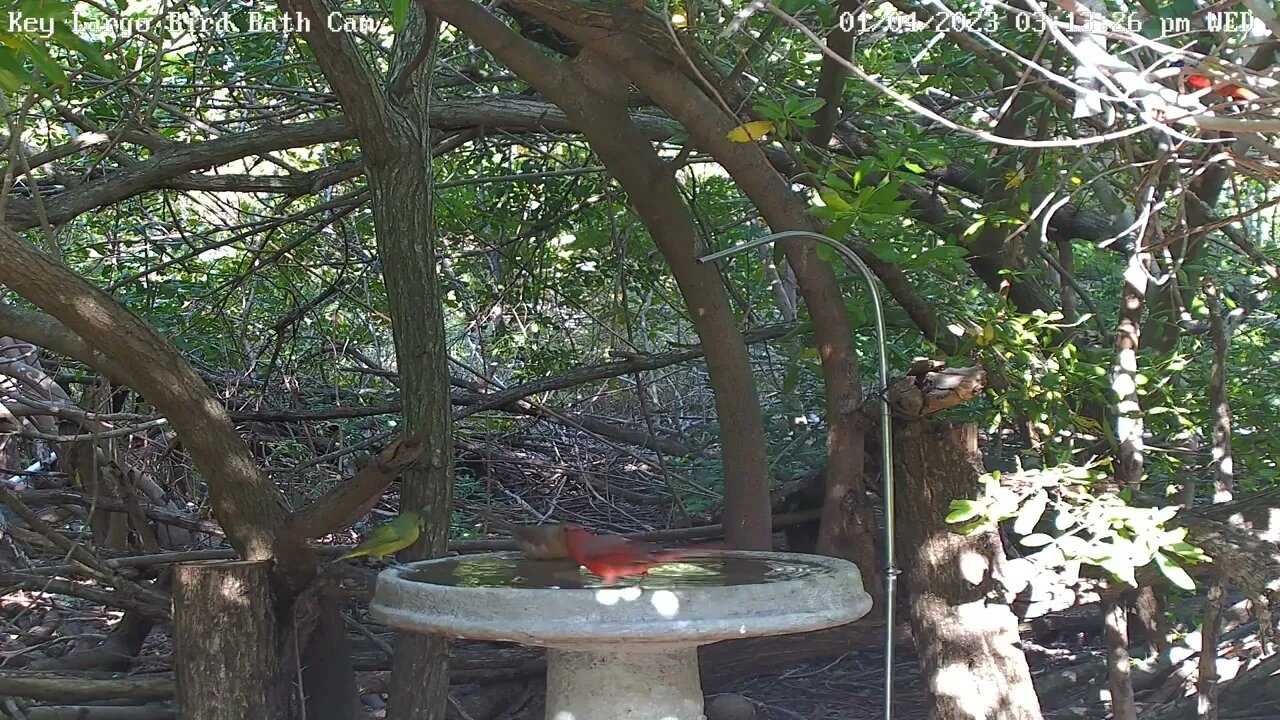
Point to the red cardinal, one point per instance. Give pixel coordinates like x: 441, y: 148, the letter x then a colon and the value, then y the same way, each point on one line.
x: 1228, y: 90
x: 613, y: 556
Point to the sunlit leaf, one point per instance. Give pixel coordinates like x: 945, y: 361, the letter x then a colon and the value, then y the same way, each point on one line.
x: 962, y: 510
x: 751, y: 131
x: 1174, y: 572
x: 1031, y: 512
x: 1121, y: 568
x: 1036, y: 540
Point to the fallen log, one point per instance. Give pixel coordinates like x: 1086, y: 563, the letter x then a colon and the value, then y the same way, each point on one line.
x: 85, y: 687
x: 101, y: 712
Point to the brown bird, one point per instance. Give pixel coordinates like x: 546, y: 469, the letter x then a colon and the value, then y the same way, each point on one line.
x: 537, y: 542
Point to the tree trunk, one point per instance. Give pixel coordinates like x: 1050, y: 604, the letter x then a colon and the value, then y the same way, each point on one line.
x: 1129, y: 469
x: 847, y: 528
x: 653, y: 192
x: 850, y: 525
x: 226, y: 644
x: 966, y: 636
x: 403, y: 214
x: 392, y: 128
x: 1115, y: 634
x: 1224, y: 482
x: 1170, y: 295
x: 594, y: 98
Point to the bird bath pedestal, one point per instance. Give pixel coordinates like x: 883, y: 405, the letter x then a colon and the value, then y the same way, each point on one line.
x: 627, y: 652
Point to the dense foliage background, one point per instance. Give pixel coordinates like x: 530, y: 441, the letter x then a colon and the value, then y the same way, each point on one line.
x: 193, y: 162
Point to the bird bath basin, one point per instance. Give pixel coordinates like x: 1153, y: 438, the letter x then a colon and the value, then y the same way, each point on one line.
x: 628, y: 651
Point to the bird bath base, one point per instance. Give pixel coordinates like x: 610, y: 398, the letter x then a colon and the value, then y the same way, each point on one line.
x: 627, y: 652
x: 649, y: 683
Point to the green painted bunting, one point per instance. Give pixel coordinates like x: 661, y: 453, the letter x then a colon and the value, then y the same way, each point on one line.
x: 389, y: 537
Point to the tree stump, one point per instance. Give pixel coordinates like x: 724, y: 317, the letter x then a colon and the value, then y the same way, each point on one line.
x: 227, y: 643
x: 965, y: 633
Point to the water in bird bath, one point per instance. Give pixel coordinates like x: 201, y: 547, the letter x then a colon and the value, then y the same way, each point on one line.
x: 513, y: 571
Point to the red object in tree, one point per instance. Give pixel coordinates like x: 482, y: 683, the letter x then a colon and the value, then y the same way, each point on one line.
x: 613, y: 557
x: 1228, y: 90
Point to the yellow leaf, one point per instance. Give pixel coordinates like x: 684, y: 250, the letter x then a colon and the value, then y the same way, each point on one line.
x: 1013, y: 179
x: 750, y: 132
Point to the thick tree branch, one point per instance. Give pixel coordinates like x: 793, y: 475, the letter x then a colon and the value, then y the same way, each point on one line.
x: 351, y: 500
x: 46, y: 332
x: 512, y: 50
x: 352, y: 80
x: 174, y: 168
x: 159, y: 373
x: 128, y: 182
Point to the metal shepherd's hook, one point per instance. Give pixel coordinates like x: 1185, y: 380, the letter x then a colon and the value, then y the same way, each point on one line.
x: 886, y: 429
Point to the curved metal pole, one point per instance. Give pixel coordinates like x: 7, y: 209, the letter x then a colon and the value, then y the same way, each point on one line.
x: 891, y: 570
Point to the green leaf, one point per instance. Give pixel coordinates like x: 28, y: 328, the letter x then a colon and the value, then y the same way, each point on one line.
x: 883, y: 197
x: 770, y: 110
x: 886, y: 251
x: 88, y: 50
x: 836, y: 182
x: 791, y: 7
x: 833, y: 200
x: 51, y: 70
x: 826, y: 254
x: 399, y: 13
x: 837, y: 231
x: 865, y: 167
x: 939, y: 253
x: 1187, y: 552
x: 12, y: 75
x: 962, y: 510
x: 1174, y: 572
x: 807, y: 106
x: 792, y: 377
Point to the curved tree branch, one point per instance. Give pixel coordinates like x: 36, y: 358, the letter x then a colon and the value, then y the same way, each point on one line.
x: 153, y: 366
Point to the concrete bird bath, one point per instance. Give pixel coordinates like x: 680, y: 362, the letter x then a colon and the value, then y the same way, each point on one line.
x: 626, y: 652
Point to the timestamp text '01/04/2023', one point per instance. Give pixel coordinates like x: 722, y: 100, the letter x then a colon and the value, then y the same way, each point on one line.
x: 987, y: 21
